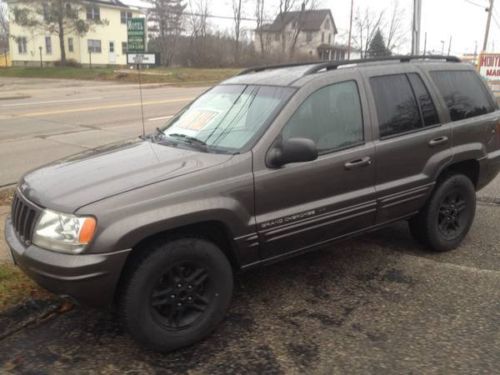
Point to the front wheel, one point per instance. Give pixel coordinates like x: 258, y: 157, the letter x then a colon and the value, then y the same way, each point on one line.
x: 448, y: 215
x: 176, y: 294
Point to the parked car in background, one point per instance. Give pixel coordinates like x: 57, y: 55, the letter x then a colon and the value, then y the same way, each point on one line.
x: 269, y: 164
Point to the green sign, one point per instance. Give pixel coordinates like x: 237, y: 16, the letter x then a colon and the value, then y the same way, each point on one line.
x: 136, y: 28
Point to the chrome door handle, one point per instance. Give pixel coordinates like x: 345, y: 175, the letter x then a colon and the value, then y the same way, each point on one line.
x: 438, y: 141
x: 363, y: 162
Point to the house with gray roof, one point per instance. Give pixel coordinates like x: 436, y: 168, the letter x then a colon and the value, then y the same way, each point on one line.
x: 301, y: 33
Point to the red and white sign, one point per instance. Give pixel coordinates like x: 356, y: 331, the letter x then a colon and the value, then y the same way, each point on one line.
x: 489, y: 66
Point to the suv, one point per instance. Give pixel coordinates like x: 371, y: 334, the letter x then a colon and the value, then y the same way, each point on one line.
x: 267, y: 165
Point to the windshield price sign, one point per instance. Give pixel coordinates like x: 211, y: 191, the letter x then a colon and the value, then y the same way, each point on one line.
x: 136, y: 29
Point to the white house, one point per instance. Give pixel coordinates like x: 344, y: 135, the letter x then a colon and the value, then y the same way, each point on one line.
x: 308, y: 32
x: 104, y: 44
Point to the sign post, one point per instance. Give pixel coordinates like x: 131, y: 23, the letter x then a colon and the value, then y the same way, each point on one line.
x: 136, y: 33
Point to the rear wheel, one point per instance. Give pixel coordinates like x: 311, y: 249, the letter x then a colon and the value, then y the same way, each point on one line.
x: 448, y: 215
x: 176, y: 294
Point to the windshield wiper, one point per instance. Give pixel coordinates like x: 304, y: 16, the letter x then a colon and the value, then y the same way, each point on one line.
x: 188, y: 139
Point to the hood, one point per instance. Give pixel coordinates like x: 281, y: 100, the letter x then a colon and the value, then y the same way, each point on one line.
x: 79, y: 180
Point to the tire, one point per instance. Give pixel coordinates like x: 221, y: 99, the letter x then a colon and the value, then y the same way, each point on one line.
x: 447, y: 217
x: 176, y: 294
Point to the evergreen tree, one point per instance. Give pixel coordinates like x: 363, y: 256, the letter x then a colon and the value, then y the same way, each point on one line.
x: 166, y: 25
x: 60, y: 17
x: 377, y: 46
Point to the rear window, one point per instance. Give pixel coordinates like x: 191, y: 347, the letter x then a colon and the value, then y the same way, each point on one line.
x: 464, y: 93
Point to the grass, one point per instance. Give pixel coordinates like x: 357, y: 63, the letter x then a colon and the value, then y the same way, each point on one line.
x: 174, y: 76
x: 16, y: 287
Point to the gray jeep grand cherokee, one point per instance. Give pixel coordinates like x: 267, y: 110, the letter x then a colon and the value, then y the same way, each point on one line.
x: 266, y: 165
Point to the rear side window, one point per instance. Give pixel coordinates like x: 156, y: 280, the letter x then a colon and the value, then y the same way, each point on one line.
x: 397, y: 108
x: 463, y: 93
x: 429, y: 113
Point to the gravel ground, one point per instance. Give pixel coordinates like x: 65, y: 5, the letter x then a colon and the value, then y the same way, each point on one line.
x: 378, y: 304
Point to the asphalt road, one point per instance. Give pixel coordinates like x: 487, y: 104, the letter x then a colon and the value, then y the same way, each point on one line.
x: 43, y: 120
x: 378, y: 304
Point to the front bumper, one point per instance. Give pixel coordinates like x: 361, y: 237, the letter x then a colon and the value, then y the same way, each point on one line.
x: 90, y: 279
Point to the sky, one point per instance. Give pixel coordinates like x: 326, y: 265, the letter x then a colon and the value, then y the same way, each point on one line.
x: 463, y: 20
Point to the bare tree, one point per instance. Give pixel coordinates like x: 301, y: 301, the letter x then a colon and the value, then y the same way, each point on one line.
x: 298, y: 22
x: 198, y: 25
x: 237, y: 29
x: 4, y: 28
x: 285, y: 6
x: 366, y: 25
x: 259, y: 15
x: 396, y: 34
x: 166, y: 18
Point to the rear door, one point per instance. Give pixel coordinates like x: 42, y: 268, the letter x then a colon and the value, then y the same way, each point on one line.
x: 305, y: 204
x: 414, y: 140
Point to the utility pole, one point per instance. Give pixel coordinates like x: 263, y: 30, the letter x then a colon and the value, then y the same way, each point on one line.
x: 449, y: 45
x: 350, y: 32
x: 442, y: 47
x: 417, y: 15
x: 488, y: 23
x: 425, y: 43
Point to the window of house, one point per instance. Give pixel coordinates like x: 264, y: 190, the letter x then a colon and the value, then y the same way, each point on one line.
x: 398, y: 109
x: 329, y: 38
x: 93, y: 13
x: 94, y: 46
x: 124, y: 48
x: 277, y: 37
x: 309, y: 36
x: 322, y: 37
x: 464, y: 93
x: 327, y: 24
x: 48, y: 45
x: 111, y: 47
x: 22, y: 45
x: 125, y: 16
x: 331, y: 117
x: 71, y: 46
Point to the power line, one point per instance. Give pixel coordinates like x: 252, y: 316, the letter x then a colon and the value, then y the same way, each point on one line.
x: 476, y: 4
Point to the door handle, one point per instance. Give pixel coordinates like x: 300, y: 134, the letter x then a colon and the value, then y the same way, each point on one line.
x: 363, y: 162
x: 438, y: 141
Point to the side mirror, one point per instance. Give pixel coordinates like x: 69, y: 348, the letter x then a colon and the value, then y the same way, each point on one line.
x: 293, y: 150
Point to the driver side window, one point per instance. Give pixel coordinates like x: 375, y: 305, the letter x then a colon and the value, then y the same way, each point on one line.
x: 331, y: 117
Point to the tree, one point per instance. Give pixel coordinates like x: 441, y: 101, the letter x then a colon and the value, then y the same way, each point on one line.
x: 395, y: 31
x: 259, y: 16
x: 166, y: 18
x: 58, y: 17
x: 285, y: 6
x: 237, y: 29
x: 298, y: 22
x: 4, y: 28
x: 366, y: 25
x: 377, y: 46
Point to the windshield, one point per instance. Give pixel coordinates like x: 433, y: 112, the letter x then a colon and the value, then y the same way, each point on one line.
x: 227, y: 117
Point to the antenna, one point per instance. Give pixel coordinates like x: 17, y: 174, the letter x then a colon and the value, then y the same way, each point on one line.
x: 142, y: 101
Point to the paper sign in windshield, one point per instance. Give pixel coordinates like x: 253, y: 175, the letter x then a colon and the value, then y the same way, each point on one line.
x: 196, y: 119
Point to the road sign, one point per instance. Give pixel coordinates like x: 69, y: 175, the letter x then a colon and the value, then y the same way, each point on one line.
x: 489, y: 66
x: 143, y: 58
x: 136, y: 30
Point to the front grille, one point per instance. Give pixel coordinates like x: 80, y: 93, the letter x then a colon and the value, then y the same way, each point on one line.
x: 24, y: 217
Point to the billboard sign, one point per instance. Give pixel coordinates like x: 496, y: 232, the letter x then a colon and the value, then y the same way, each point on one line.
x: 136, y: 31
x: 143, y: 58
x: 489, y: 66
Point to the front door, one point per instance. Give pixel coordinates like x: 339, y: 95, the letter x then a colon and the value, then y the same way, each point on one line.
x: 112, y: 53
x: 305, y: 204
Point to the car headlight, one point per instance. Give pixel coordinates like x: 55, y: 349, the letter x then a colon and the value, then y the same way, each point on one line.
x: 63, y: 232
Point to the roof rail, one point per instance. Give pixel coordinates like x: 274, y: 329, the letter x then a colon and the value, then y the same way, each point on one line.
x: 330, y: 65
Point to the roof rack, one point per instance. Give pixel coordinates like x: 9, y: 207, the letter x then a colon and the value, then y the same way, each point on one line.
x: 330, y: 65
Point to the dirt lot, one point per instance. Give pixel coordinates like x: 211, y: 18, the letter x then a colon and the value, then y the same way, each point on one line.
x: 377, y: 304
